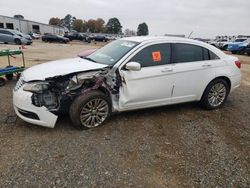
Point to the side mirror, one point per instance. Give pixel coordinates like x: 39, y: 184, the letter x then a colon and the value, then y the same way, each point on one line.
x: 133, y: 66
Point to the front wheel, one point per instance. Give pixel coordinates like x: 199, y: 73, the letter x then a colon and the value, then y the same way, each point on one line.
x: 18, y: 41
x: 215, y: 94
x: 90, y: 110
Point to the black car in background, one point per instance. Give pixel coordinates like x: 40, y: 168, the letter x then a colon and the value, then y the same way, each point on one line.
x: 54, y: 38
x: 99, y: 38
x: 77, y: 36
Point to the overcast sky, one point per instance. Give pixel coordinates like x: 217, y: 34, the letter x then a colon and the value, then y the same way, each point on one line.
x: 207, y: 18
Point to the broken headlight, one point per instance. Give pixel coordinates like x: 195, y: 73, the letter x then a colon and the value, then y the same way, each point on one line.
x: 78, y: 80
x: 36, y: 87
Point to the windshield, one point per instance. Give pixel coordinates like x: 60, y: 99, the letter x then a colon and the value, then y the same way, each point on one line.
x: 112, y: 52
x: 240, y: 40
x: 18, y: 33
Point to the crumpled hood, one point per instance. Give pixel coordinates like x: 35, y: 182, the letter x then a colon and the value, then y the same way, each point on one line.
x: 59, y: 68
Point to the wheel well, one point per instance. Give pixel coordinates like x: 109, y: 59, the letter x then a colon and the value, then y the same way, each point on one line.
x: 221, y: 77
x: 104, y: 90
x: 226, y: 79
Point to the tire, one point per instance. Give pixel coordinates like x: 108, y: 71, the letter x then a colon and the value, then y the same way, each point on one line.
x: 81, y: 108
x: 2, y: 82
x: 217, y: 89
x: 242, y: 51
x: 225, y: 47
x: 18, y: 41
x: 9, y: 76
x: 234, y: 52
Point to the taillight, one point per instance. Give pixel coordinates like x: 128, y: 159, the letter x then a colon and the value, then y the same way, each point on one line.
x: 238, y: 64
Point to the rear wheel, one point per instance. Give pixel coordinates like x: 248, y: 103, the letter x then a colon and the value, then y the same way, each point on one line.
x: 242, y: 51
x: 215, y: 94
x: 9, y: 76
x: 90, y: 110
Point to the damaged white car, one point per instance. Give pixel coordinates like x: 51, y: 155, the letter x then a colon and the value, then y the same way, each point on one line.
x: 127, y: 74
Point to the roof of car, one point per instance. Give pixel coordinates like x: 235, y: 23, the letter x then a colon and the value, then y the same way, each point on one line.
x: 153, y: 38
x: 149, y: 39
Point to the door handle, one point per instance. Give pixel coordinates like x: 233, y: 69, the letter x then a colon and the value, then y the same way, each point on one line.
x: 167, y: 70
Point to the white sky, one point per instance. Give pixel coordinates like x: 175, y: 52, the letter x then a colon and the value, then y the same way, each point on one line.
x: 207, y: 18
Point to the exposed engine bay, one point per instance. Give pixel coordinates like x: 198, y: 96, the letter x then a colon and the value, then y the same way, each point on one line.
x: 58, y: 93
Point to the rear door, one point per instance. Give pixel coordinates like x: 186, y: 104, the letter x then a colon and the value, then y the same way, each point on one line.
x: 6, y: 36
x: 153, y: 84
x: 195, y: 67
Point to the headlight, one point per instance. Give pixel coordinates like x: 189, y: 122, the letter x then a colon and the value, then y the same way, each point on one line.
x: 36, y: 87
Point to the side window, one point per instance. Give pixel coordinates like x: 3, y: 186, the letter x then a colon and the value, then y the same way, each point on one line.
x: 213, y: 56
x: 208, y: 55
x: 6, y: 32
x: 187, y: 53
x: 158, y: 54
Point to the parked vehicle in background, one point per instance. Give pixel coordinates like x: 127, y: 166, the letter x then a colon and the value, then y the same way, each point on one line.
x: 14, y: 37
x: 212, y: 42
x: 35, y: 36
x: 77, y: 36
x: 223, y: 44
x: 54, y: 38
x: 100, y: 38
x: 247, y: 50
x: 238, y: 46
x: 126, y: 74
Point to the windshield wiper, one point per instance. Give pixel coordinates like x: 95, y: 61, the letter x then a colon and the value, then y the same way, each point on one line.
x: 88, y: 58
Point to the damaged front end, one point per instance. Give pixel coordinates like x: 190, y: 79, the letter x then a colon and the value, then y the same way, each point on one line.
x: 56, y: 94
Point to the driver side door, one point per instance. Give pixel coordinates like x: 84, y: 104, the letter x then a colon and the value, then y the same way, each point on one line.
x: 153, y: 84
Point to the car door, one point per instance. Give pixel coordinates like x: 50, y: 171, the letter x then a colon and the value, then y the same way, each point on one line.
x: 195, y: 67
x: 153, y: 84
x: 50, y: 38
x: 6, y: 36
x: 1, y: 36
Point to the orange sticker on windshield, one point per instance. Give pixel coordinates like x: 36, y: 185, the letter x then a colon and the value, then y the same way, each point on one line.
x: 156, y: 56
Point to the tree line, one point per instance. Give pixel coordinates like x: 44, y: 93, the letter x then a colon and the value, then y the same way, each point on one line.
x: 113, y: 26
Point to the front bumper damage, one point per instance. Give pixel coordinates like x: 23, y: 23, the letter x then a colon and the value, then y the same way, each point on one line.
x: 42, y: 108
x: 28, y: 112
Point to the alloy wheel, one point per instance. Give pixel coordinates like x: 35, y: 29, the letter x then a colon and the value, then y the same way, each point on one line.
x: 94, y: 113
x: 217, y: 95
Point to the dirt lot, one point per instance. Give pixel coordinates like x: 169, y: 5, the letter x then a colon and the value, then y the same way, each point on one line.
x: 174, y: 146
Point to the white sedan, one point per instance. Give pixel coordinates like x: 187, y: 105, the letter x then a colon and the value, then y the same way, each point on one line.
x: 127, y: 74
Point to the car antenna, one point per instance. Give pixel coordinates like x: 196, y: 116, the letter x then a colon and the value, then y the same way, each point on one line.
x: 190, y: 34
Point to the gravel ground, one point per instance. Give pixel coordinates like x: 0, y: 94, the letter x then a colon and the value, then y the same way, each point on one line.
x: 174, y: 146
